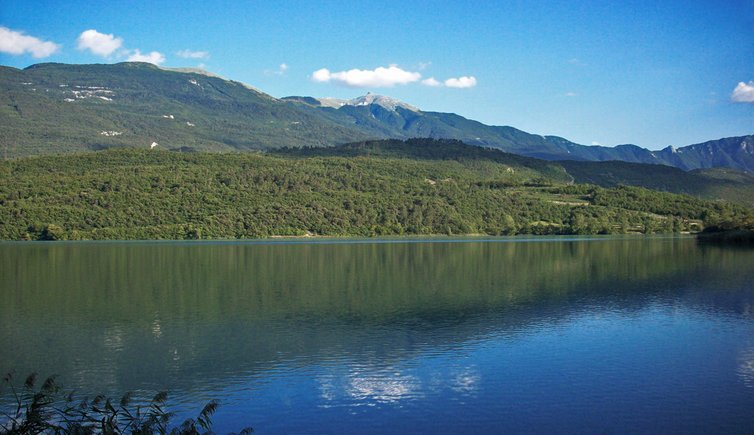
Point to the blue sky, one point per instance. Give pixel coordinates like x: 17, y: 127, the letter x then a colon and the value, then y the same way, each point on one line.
x: 645, y: 72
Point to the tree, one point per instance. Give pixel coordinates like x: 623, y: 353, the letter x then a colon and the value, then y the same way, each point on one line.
x: 509, y: 225
x: 53, y: 232
x: 648, y: 225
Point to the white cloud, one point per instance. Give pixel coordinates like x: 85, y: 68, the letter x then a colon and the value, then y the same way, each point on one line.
x: 595, y: 143
x: 570, y: 94
x: 191, y: 54
x: 154, y: 57
x: 14, y: 42
x: 461, y: 82
x: 431, y: 82
x: 424, y: 65
x: 386, y: 77
x: 282, y: 68
x: 106, y: 45
x: 379, y: 77
x: 321, y: 75
x: 98, y: 43
x: 744, y: 93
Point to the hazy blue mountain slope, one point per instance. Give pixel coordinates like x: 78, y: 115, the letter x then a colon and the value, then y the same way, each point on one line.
x: 731, y: 152
x: 400, y: 123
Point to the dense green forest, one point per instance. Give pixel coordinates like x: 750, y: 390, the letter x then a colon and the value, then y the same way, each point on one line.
x: 705, y: 183
x: 382, y: 188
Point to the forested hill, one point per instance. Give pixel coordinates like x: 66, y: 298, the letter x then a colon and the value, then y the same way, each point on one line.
x: 143, y: 194
x: 436, y: 149
x: 712, y: 184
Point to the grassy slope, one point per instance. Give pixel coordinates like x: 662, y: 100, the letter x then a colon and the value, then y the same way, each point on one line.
x: 226, y: 115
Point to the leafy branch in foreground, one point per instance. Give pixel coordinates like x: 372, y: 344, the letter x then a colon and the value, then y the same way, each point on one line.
x: 47, y: 410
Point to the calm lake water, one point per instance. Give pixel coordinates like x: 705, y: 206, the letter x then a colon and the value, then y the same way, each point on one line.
x: 539, y: 335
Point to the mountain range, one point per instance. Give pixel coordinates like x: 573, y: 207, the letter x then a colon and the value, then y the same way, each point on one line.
x: 388, y: 117
x: 53, y: 108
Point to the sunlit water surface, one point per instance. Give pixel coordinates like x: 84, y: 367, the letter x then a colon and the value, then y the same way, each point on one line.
x: 503, y: 335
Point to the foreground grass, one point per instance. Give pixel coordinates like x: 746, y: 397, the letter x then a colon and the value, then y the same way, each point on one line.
x: 46, y: 409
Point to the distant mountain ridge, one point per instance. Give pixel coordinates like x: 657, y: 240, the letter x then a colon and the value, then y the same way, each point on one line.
x: 388, y: 103
x: 732, y: 152
x: 399, y: 120
x: 52, y: 108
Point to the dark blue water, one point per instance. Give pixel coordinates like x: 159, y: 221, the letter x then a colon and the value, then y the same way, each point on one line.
x: 551, y: 335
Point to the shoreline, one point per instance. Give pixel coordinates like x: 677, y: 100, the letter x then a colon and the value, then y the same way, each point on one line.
x: 739, y: 237
x: 316, y: 239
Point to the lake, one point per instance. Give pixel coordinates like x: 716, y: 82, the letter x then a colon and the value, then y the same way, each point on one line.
x: 562, y: 335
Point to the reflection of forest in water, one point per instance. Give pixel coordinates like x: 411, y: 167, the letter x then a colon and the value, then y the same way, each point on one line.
x: 137, y: 315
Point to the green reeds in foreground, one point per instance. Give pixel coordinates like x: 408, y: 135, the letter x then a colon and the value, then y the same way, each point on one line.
x: 47, y: 409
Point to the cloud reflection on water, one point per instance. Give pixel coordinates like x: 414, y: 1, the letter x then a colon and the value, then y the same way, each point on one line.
x: 746, y: 367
